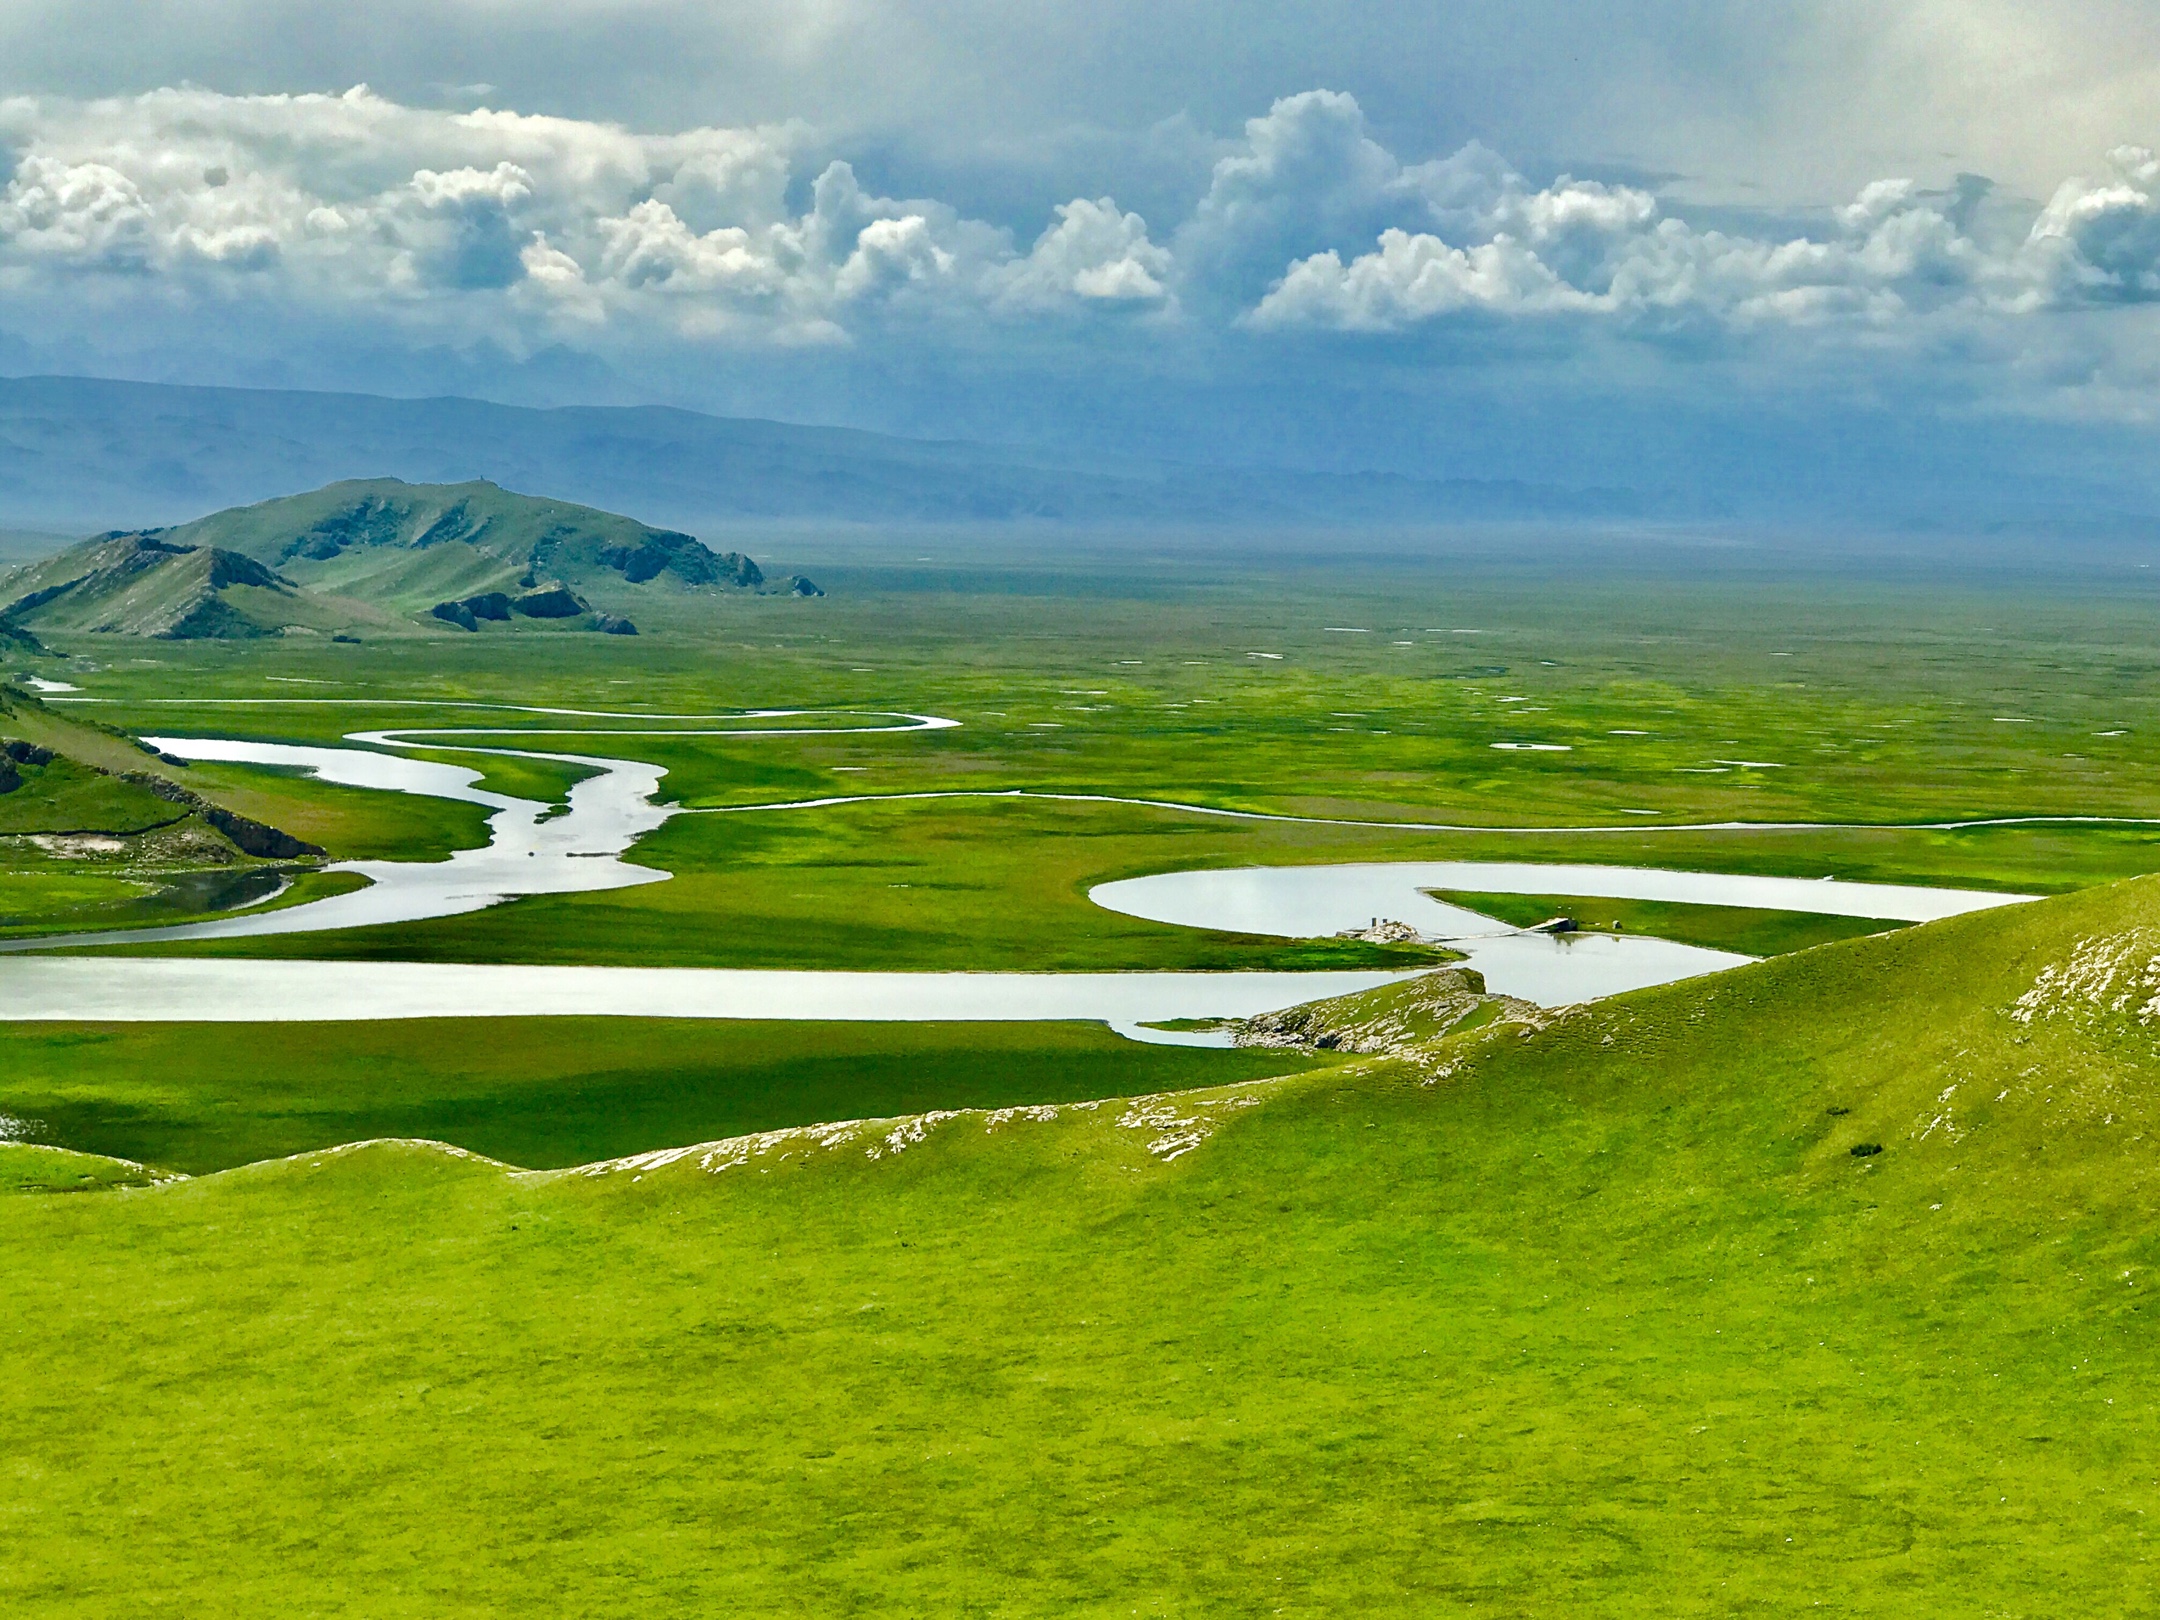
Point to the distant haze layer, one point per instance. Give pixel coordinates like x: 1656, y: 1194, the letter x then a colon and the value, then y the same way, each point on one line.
x: 80, y: 454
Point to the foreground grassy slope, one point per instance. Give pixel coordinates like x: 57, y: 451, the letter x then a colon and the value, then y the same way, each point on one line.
x: 1606, y: 1319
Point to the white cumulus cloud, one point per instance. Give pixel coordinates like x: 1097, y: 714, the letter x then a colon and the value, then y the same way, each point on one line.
x: 283, y: 218
x: 500, y: 224
x: 1092, y: 253
x: 1468, y: 234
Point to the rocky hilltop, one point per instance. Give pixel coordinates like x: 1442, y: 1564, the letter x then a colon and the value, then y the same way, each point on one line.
x: 376, y: 556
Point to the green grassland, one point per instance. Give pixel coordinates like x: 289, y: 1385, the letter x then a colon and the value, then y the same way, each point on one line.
x: 546, y: 1092
x: 1603, y: 1318
x: 353, y: 823
x: 1877, y: 700
x: 1874, y: 700
x: 1744, y: 929
x: 1003, y: 885
x: 26, y: 1167
x: 1818, y: 1285
x: 63, y: 896
x: 65, y: 797
x: 1892, y: 702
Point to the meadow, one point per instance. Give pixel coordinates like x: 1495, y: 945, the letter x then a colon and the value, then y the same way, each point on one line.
x: 1684, y: 689
x: 1608, y: 1318
x: 548, y: 1092
x: 1816, y: 1285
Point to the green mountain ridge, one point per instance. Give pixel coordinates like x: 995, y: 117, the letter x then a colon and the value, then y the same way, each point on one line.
x: 374, y: 555
x: 140, y: 585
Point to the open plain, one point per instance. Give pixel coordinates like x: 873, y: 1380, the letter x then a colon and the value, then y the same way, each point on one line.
x: 1817, y: 1281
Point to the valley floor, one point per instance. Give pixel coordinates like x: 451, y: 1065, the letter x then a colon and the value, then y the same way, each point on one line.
x: 1816, y: 1284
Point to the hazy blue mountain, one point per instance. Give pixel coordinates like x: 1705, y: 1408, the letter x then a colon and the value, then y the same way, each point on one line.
x: 82, y: 454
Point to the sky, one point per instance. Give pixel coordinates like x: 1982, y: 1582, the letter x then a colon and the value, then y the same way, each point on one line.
x: 1673, y: 245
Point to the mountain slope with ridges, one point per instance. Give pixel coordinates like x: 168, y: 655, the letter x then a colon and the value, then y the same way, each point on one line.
x: 373, y: 553
x: 144, y: 585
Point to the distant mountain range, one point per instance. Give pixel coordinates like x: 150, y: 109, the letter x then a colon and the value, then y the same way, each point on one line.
x: 79, y: 454
x: 374, y: 555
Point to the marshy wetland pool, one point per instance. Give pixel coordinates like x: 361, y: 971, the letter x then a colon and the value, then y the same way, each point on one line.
x: 536, y: 848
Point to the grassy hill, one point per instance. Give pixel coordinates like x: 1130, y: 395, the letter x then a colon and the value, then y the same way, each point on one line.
x: 373, y: 555
x: 148, y: 585
x: 1817, y: 1284
x: 96, y: 832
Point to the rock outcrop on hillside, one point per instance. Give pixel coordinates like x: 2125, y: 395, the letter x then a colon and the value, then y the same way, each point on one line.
x: 1392, y: 1020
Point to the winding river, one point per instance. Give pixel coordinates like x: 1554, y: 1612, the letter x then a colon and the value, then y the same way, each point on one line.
x: 536, y: 848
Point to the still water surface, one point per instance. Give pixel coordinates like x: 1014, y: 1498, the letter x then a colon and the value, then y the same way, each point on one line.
x: 537, y: 848
x: 1310, y: 902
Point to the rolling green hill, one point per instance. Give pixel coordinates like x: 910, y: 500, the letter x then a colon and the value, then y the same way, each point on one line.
x: 97, y: 832
x: 370, y: 556
x: 1816, y: 1284
x: 146, y: 585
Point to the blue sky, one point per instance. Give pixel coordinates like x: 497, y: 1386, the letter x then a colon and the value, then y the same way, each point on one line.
x: 1586, y: 244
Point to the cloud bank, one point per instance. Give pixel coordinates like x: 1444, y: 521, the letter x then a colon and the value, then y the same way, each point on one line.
x: 354, y: 203
x: 219, y: 232
x: 519, y: 228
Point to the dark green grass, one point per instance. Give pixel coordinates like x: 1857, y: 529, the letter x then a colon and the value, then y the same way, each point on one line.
x: 544, y: 1092
x: 1608, y: 1321
x: 64, y: 898
x: 1723, y: 928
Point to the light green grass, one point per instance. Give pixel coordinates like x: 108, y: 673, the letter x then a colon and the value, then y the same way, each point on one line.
x: 30, y: 1168
x: 64, y: 797
x: 30, y: 898
x: 1605, y: 1321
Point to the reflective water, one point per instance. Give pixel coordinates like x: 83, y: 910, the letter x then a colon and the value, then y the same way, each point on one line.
x: 533, y: 848
x: 153, y: 990
x: 1308, y: 902
x: 537, y: 848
